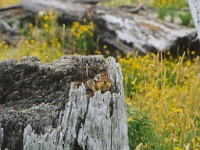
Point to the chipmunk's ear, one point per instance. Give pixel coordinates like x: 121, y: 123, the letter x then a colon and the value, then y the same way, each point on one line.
x: 90, y: 83
x: 97, y: 77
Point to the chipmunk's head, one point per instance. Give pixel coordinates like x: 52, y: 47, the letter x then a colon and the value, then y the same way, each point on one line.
x: 105, y: 83
x: 105, y: 79
x: 100, y: 82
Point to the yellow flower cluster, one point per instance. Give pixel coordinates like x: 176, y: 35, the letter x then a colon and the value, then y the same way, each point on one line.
x: 42, y: 41
x: 82, y: 37
x: 161, y: 3
x: 169, y: 3
x: 170, y: 90
x: 32, y: 48
x: 47, y: 22
x: 78, y: 30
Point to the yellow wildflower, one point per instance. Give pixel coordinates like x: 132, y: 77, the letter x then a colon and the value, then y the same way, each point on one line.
x: 130, y: 119
x: 192, y: 52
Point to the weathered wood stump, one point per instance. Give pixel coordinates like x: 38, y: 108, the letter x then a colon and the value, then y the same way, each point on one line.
x: 49, y: 106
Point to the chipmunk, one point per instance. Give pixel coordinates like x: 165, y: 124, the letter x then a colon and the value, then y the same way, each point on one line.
x: 100, y: 82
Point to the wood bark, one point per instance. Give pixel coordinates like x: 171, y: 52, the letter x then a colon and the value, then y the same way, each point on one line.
x: 49, y: 106
x: 195, y: 10
x: 118, y: 28
x: 71, y: 11
x: 10, y: 20
x: 130, y: 32
x: 82, y: 1
x: 122, y: 31
x: 1, y: 136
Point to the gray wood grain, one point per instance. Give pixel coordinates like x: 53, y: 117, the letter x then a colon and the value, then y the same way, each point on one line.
x: 195, y: 11
x: 55, y: 112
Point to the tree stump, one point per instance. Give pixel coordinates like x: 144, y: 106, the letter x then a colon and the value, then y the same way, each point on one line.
x: 49, y: 106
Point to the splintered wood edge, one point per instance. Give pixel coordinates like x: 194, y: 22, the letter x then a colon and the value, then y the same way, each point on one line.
x: 102, y: 118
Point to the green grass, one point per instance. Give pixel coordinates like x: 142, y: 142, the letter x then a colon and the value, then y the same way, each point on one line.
x: 164, y: 95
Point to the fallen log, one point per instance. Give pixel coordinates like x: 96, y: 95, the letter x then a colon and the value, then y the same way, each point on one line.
x: 49, y: 106
x: 72, y: 11
x: 119, y: 30
x: 10, y: 19
x: 122, y: 31
x: 131, y: 9
x: 83, y: 1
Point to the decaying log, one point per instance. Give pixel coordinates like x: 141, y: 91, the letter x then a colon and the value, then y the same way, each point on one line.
x: 49, y: 106
x: 122, y: 31
x: 14, y: 14
x: 71, y: 11
x: 132, y: 9
x: 82, y: 1
x: 6, y: 27
x: 10, y: 19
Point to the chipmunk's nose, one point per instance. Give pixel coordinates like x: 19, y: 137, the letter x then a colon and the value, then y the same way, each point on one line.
x: 104, y: 82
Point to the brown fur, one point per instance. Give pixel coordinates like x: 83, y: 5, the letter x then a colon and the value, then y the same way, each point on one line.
x: 99, y: 82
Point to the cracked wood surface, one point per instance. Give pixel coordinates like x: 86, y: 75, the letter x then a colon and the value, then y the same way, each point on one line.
x: 195, y: 11
x: 49, y: 106
x: 122, y: 31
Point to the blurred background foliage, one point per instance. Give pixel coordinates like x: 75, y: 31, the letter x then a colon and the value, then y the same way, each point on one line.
x: 7, y: 3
